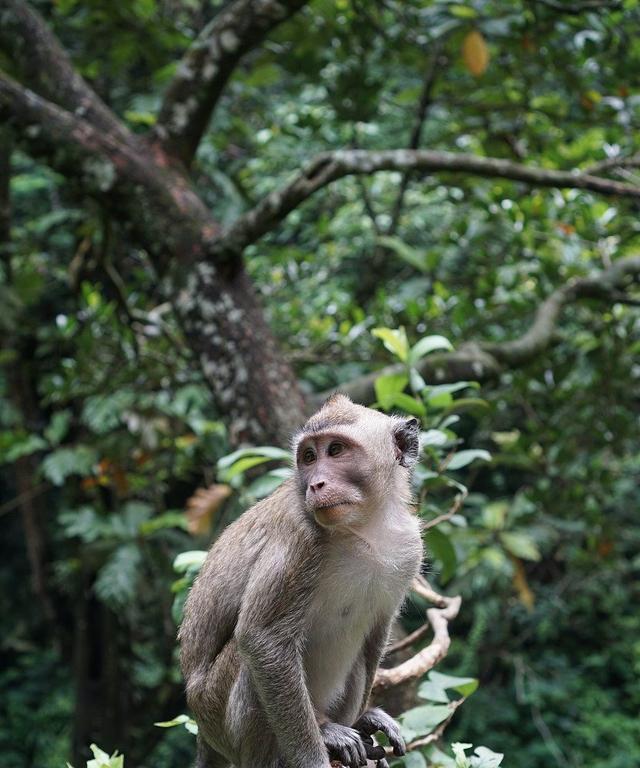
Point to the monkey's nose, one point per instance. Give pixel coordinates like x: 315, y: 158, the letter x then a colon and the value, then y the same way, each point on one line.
x: 316, y: 486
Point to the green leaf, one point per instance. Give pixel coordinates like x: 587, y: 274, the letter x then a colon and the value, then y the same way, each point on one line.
x: 265, y: 484
x: 242, y: 465
x: 117, y: 580
x: 411, y: 255
x: 409, y: 404
x: 438, y: 759
x: 413, y: 760
x: 420, y: 721
x: 463, y: 11
x: 395, y: 340
x: 438, y: 399
x: 266, y: 451
x: 164, y: 521
x: 103, y: 760
x: 188, y: 722
x: 85, y: 523
x: 426, y: 345
x: 64, y: 462
x: 418, y: 384
x: 191, y: 560
x: 485, y: 758
x: 58, y: 427
x: 177, y: 720
x: 520, y: 545
x: 464, y: 458
x: 462, y: 761
x: 24, y: 447
x: 474, y: 405
x: 387, y: 387
x: 494, y: 515
x: 455, y: 386
x: 465, y: 686
x: 434, y: 437
x: 443, y: 550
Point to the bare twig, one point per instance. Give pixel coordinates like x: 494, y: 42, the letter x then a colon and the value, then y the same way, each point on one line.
x: 457, y: 503
x: 436, y: 734
x: 424, y: 103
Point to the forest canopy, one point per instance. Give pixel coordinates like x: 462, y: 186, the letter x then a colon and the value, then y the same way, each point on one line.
x: 212, y: 215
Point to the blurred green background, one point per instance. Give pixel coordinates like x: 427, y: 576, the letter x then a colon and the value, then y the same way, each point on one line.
x: 107, y: 426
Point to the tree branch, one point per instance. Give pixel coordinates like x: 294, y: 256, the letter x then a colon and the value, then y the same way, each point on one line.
x: 162, y: 207
x: 330, y: 166
x: 416, y: 132
x: 45, y: 67
x: 207, y: 66
x: 428, y: 657
x: 485, y: 360
x: 615, y: 163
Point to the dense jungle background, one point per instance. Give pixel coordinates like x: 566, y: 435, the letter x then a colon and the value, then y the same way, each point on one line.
x: 211, y: 214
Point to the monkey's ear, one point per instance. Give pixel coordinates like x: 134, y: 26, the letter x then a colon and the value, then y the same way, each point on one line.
x: 407, y: 440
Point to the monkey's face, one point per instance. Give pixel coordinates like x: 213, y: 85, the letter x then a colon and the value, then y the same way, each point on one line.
x: 333, y: 477
x: 352, y: 460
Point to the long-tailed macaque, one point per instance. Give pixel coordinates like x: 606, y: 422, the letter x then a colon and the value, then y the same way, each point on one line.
x: 287, y: 621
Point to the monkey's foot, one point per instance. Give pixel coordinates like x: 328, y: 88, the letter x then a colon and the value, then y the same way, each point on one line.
x: 378, y: 720
x: 346, y: 745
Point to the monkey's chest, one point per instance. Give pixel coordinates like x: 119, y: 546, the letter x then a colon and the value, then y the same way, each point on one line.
x: 355, y: 595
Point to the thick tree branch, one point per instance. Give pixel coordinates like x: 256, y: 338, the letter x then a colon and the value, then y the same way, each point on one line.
x: 329, y: 167
x: 45, y: 67
x: 162, y: 208
x: 483, y: 361
x: 207, y: 66
x: 219, y: 312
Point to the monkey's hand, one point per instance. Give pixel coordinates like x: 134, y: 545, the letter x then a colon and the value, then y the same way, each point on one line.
x: 346, y: 745
x: 378, y: 720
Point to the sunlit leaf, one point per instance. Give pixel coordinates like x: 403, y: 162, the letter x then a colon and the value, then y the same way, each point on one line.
x: 395, y: 340
x: 426, y: 345
x: 464, y: 458
x: 520, y: 544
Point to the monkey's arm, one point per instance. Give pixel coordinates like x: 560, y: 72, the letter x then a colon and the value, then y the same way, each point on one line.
x: 372, y: 720
x: 372, y: 652
x: 269, y: 637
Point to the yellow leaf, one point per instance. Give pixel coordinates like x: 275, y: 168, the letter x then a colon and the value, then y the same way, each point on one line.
x: 521, y: 585
x: 203, y: 505
x: 475, y: 53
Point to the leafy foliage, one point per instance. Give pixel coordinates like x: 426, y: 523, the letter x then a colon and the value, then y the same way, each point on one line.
x: 106, y: 427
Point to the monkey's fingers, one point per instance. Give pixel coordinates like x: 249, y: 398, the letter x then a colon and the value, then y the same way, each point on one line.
x: 378, y: 720
x: 382, y: 764
x: 374, y: 751
x: 345, y: 744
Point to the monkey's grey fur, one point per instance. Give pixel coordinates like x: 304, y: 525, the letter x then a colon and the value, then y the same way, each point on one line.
x: 286, y: 623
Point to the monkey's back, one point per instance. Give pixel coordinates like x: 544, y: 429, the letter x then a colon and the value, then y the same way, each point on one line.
x: 208, y: 650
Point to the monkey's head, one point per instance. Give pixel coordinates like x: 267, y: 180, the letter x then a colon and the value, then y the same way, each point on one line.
x: 351, y: 461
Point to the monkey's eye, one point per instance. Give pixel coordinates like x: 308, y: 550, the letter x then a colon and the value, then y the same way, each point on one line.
x: 308, y: 457
x: 335, y: 449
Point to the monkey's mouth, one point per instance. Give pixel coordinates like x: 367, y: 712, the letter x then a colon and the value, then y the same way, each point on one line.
x: 332, y: 505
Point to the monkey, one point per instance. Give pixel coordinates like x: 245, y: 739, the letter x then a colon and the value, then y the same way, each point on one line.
x: 286, y: 623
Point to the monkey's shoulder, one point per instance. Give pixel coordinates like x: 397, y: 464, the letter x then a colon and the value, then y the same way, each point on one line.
x: 276, y: 520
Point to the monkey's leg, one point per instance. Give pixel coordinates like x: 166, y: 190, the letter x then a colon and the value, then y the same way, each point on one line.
x: 253, y: 742
x: 209, y: 758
